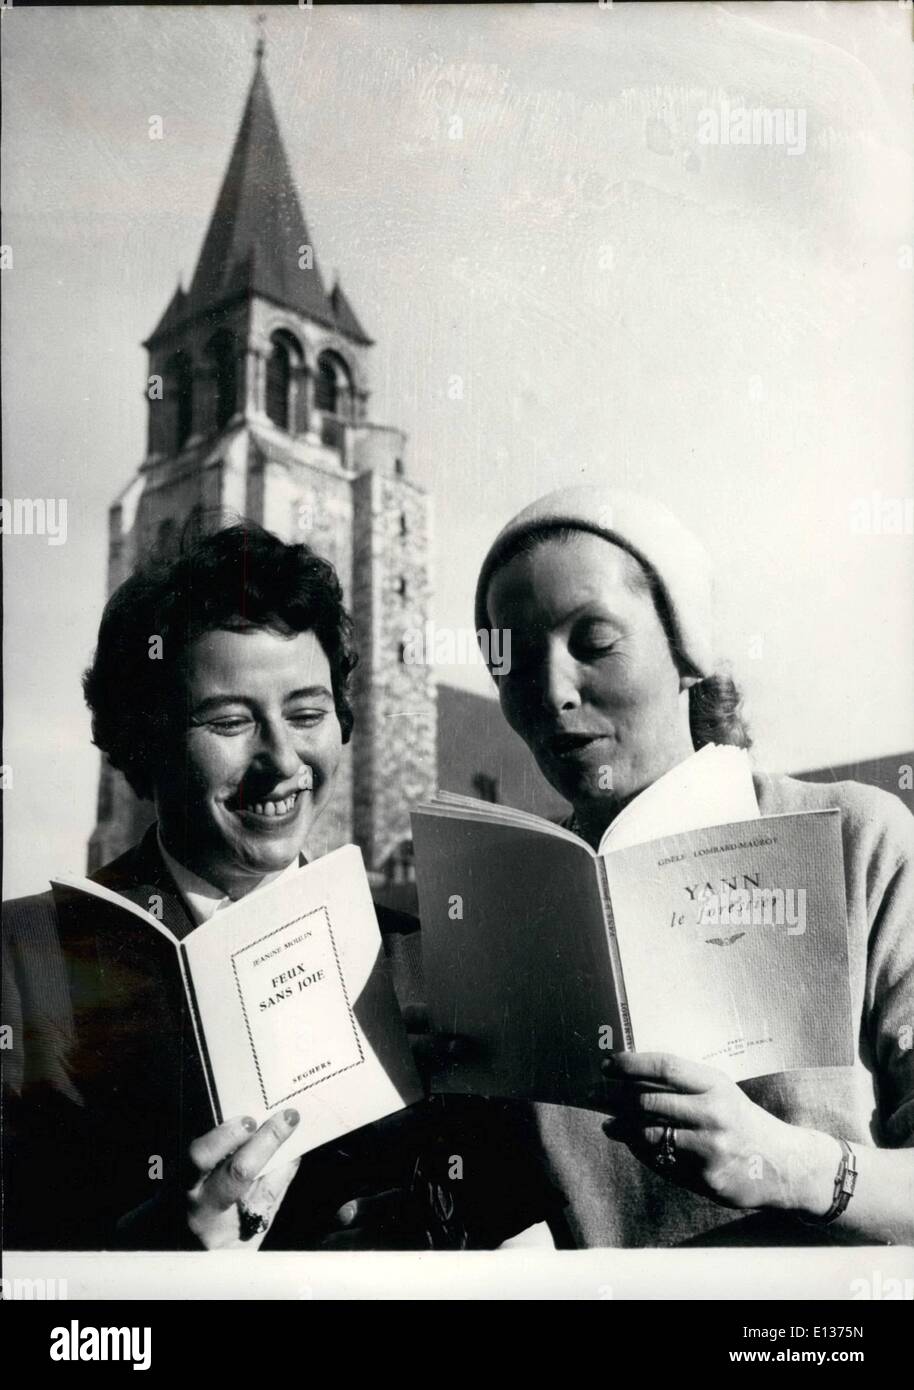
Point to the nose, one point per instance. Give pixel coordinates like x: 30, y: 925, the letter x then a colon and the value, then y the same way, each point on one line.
x: 558, y: 681
x: 278, y: 750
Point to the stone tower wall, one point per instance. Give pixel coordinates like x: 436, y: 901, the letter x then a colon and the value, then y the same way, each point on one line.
x: 395, y: 699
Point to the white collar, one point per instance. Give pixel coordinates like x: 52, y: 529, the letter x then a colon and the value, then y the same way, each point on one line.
x: 203, y: 899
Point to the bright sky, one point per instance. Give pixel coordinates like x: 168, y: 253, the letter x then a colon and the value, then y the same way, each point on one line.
x: 516, y: 196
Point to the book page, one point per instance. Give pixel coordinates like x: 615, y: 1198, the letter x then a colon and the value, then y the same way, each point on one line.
x: 515, y: 958
x: 733, y: 941
x: 470, y: 808
x: 712, y: 787
x: 296, y: 1005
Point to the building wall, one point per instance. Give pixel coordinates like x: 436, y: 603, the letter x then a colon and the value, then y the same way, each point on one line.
x: 395, y: 702
x: 474, y: 741
x: 892, y: 774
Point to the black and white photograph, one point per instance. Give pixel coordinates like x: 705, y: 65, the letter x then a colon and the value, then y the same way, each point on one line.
x: 458, y: 679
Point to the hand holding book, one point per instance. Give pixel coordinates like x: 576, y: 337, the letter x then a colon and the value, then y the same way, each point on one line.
x: 232, y: 1203
x: 726, y: 1147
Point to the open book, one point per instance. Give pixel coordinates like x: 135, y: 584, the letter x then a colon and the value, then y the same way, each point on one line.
x: 698, y: 927
x: 290, y: 998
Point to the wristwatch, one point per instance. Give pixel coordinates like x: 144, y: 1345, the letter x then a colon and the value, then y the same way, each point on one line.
x: 845, y: 1183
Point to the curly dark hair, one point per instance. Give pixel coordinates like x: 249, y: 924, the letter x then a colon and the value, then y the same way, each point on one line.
x: 715, y: 701
x: 235, y: 578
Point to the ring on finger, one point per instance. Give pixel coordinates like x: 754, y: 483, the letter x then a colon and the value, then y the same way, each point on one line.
x: 665, y: 1156
x: 251, y: 1223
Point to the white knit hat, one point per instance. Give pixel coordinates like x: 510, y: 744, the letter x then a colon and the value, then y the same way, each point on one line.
x: 644, y: 528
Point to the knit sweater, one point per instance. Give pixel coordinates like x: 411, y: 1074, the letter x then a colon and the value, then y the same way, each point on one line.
x: 613, y: 1200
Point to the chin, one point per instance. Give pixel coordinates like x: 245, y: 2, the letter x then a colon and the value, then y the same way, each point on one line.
x: 578, y: 788
x: 602, y: 801
x: 279, y: 859
x: 263, y: 860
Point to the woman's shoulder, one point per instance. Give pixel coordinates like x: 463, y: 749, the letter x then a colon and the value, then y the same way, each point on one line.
x: 31, y: 916
x: 869, y: 814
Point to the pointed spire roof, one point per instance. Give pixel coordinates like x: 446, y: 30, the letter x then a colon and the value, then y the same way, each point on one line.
x: 254, y: 240
x: 345, y: 319
x: 173, y: 315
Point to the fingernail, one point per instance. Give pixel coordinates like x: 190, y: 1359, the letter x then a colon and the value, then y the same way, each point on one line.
x: 249, y: 1124
x: 291, y: 1117
x: 347, y: 1213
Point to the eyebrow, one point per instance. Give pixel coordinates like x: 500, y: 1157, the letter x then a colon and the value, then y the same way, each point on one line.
x: 306, y: 692
x: 605, y: 615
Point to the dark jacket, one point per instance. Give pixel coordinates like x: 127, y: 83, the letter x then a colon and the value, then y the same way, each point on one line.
x: 103, y: 1093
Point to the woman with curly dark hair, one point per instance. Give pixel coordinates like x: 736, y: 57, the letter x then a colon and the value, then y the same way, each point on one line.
x: 220, y: 687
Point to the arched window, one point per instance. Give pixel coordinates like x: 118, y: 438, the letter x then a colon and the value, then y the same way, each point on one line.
x: 224, y: 366
x: 333, y: 386
x: 279, y: 376
x: 285, y: 356
x: 181, y: 387
x: 325, y: 385
x: 167, y: 539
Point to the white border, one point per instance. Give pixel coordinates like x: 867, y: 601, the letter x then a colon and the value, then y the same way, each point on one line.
x: 859, y: 1273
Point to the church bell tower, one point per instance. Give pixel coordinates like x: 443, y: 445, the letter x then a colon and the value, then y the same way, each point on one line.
x: 258, y: 392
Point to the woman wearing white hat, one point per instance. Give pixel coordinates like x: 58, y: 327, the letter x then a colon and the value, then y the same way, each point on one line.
x: 608, y: 601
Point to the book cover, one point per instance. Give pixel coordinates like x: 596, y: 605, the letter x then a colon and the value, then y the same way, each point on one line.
x: 733, y: 942
x: 725, y: 943
x: 292, y: 1001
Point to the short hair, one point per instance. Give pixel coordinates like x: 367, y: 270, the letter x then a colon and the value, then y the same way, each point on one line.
x: 237, y: 578
x: 715, y: 701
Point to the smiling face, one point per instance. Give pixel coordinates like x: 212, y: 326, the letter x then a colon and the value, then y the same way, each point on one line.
x: 252, y: 761
x: 593, y: 689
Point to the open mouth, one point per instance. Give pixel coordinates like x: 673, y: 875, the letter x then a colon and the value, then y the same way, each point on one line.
x: 573, y: 745
x: 269, y: 811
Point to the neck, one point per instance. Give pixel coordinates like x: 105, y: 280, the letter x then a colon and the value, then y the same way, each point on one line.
x: 594, y: 817
x: 235, y: 883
